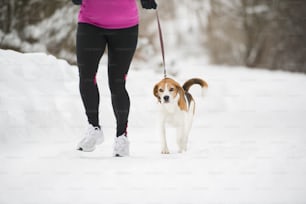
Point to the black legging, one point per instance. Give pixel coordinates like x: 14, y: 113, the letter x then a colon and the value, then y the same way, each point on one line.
x: 121, y: 44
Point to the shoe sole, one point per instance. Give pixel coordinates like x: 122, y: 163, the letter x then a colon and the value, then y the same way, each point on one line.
x: 86, y: 150
x: 119, y: 155
x: 91, y: 149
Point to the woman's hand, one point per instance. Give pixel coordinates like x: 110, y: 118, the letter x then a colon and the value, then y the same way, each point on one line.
x: 148, y: 4
x: 77, y: 2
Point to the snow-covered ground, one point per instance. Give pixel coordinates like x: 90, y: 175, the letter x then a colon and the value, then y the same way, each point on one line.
x: 247, y: 145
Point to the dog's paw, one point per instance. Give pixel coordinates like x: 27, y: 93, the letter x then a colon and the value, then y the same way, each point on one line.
x: 165, y: 151
x: 182, y: 150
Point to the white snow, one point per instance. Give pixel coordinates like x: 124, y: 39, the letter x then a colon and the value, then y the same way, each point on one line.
x: 247, y: 144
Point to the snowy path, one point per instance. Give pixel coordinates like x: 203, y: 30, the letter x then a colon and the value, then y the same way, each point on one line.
x: 247, y: 145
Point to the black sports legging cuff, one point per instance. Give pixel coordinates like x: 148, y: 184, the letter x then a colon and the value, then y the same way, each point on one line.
x: 121, y: 44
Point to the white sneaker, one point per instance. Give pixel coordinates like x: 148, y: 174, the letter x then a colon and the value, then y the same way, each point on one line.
x: 94, y: 136
x: 121, y: 146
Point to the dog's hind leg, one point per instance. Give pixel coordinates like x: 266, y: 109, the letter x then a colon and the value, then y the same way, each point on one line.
x: 187, y: 124
x: 186, y: 135
x: 180, y: 138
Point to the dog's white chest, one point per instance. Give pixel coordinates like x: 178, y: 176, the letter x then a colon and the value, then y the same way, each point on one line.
x: 175, y: 119
x: 172, y: 115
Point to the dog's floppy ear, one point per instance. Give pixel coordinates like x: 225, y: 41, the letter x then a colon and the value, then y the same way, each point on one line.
x: 181, y: 102
x: 155, y: 92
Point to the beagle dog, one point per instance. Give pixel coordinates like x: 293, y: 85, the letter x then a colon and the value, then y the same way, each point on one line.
x: 176, y: 108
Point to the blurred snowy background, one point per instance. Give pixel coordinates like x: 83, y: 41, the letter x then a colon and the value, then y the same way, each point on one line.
x: 253, y: 33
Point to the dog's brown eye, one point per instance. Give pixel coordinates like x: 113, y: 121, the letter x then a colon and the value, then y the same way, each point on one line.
x: 161, y: 90
x: 171, y: 89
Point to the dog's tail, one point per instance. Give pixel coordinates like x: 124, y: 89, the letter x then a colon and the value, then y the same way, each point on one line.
x: 193, y: 81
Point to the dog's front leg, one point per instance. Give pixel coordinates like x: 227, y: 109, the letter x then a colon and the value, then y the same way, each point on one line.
x: 162, y: 133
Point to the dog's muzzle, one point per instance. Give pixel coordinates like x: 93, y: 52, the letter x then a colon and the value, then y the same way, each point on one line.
x: 166, y: 99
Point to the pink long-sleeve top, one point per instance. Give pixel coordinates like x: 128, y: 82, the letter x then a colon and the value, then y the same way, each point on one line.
x: 109, y: 14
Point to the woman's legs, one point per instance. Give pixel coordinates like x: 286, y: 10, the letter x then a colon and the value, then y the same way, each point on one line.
x: 91, y: 44
x: 121, y: 48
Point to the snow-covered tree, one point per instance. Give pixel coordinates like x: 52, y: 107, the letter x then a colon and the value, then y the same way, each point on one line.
x: 258, y: 33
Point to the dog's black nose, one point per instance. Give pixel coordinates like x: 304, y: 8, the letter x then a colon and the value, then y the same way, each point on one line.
x: 166, y: 98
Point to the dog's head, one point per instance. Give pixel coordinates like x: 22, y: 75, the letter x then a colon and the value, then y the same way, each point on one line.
x: 169, y: 91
